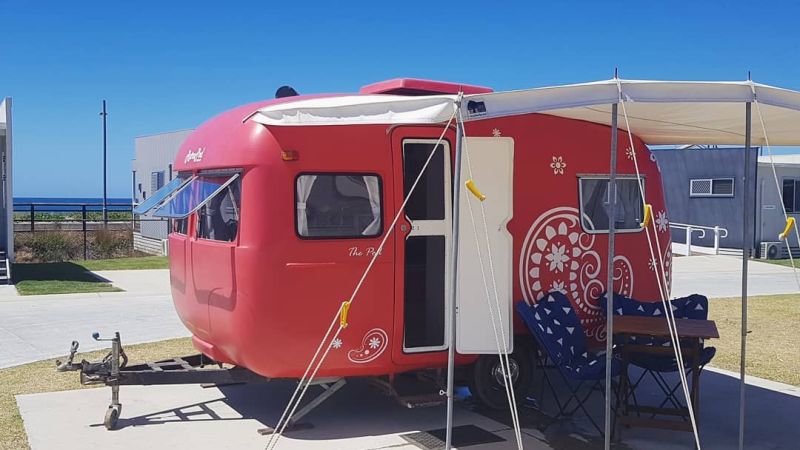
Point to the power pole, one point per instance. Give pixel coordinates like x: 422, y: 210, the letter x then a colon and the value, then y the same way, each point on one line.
x: 105, y: 167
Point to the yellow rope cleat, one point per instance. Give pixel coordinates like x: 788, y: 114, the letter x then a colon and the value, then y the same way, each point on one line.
x: 648, y: 215
x: 474, y: 189
x: 789, y: 225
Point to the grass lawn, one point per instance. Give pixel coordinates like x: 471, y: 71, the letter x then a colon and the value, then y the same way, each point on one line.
x: 137, y: 263
x: 42, y: 377
x: 781, y: 262
x: 73, y: 276
x: 56, y: 278
x: 773, y: 342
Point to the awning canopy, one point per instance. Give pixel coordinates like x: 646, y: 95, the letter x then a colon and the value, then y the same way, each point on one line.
x: 659, y: 112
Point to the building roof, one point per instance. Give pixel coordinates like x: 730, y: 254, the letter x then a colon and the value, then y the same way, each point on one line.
x: 781, y: 160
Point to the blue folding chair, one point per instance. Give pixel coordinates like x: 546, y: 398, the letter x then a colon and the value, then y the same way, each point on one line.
x: 691, y: 307
x: 561, y: 338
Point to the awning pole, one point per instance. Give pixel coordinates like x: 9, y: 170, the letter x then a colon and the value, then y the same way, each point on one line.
x: 746, y: 244
x: 612, y: 214
x: 451, y: 327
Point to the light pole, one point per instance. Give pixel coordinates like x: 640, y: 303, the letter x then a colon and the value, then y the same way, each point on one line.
x: 105, y: 167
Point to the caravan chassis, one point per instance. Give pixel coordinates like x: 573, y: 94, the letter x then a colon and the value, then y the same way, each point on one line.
x: 113, y: 371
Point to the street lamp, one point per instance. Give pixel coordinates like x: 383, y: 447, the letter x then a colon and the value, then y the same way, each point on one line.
x: 105, y: 167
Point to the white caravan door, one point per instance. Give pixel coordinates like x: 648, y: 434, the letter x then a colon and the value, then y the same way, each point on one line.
x: 492, y: 163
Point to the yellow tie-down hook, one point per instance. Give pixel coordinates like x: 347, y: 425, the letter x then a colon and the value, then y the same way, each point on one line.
x: 787, y: 229
x: 343, y: 313
x: 474, y: 189
x: 648, y: 215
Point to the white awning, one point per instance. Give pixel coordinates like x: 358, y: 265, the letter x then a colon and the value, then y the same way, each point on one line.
x: 659, y: 112
x: 359, y: 109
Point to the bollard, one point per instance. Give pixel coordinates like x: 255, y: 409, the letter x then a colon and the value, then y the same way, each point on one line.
x: 716, y: 240
x: 688, y: 241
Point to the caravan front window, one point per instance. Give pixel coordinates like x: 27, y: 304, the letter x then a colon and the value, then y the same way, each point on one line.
x: 338, y: 206
x: 595, y: 202
x: 195, y: 194
x: 218, y: 220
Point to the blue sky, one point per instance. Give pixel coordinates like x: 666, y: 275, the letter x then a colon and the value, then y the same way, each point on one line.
x: 165, y: 66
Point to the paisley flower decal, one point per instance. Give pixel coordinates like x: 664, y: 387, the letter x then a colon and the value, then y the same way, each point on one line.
x: 557, y: 257
x: 496, y: 132
x: 374, y: 343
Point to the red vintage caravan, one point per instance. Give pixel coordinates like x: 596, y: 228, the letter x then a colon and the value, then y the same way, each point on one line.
x: 275, y: 225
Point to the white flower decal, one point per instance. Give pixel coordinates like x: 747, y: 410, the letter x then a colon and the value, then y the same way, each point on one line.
x: 337, y: 343
x: 496, y: 132
x: 558, y: 285
x: 630, y: 153
x: 652, y: 264
x: 374, y: 343
x: 661, y: 221
x: 558, y: 165
x: 557, y: 257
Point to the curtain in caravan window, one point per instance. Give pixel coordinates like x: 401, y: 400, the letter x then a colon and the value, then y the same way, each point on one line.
x: 338, y: 206
x: 304, y: 185
x: 374, y: 191
x: 596, y: 201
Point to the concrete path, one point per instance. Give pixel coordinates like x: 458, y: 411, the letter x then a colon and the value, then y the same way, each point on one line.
x: 37, y: 327
x: 721, y: 276
x: 359, y: 417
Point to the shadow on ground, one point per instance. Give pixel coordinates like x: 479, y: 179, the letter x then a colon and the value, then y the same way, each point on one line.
x: 358, y: 410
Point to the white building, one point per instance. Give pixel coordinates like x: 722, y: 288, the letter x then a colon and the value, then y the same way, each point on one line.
x: 152, y: 168
x: 770, y: 220
x: 7, y: 206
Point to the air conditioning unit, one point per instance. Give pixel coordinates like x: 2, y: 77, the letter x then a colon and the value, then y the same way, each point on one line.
x: 772, y: 250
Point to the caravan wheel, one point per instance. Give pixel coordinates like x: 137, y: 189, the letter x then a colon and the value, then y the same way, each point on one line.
x: 487, y: 383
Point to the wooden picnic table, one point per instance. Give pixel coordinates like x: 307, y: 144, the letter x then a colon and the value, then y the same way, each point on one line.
x: 691, y: 333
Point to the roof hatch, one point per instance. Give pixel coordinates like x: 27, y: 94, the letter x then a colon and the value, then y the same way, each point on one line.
x: 416, y: 87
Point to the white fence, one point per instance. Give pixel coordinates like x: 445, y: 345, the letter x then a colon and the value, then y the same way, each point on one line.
x: 700, y: 230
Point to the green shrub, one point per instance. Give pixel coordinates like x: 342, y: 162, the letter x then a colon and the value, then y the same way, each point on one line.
x: 49, y: 246
x: 107, y: 244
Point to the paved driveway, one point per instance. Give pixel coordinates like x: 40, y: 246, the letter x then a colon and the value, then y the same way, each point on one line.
x: 721, y: 276
x: 38, y: 327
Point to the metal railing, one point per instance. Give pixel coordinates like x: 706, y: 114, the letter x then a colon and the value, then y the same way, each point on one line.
x: 719, y: 233
x: 76, y: 217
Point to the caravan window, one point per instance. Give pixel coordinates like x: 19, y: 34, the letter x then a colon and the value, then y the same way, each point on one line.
x: 218, y: 219
x: 595, y: 201
x: 194, y: 195
x: 338, y: 206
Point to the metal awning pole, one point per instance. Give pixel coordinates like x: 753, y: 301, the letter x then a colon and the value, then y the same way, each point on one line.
x: 612, y: 214
x: 746, y: 244
x: 451, y: 327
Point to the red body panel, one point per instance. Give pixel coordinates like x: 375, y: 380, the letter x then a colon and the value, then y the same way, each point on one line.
x: 265, y: 300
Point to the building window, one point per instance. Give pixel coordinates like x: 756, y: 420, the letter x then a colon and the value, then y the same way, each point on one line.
x: 218, y: 219
x: 791, y: 195
x: 338, y: 206
x: 595, y: 201
x: 156, y: 181
x: 711, y: 187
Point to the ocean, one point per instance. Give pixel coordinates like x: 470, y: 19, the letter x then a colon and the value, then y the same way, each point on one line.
x: 60, y: 204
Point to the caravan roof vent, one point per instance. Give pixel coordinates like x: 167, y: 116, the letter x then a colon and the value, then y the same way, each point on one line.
x: 415, y: 87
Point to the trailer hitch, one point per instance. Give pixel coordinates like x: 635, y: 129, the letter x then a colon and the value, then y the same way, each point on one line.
x: 105, y: 372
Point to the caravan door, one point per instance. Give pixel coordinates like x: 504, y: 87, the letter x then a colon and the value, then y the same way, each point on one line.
x: 423, y: 241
